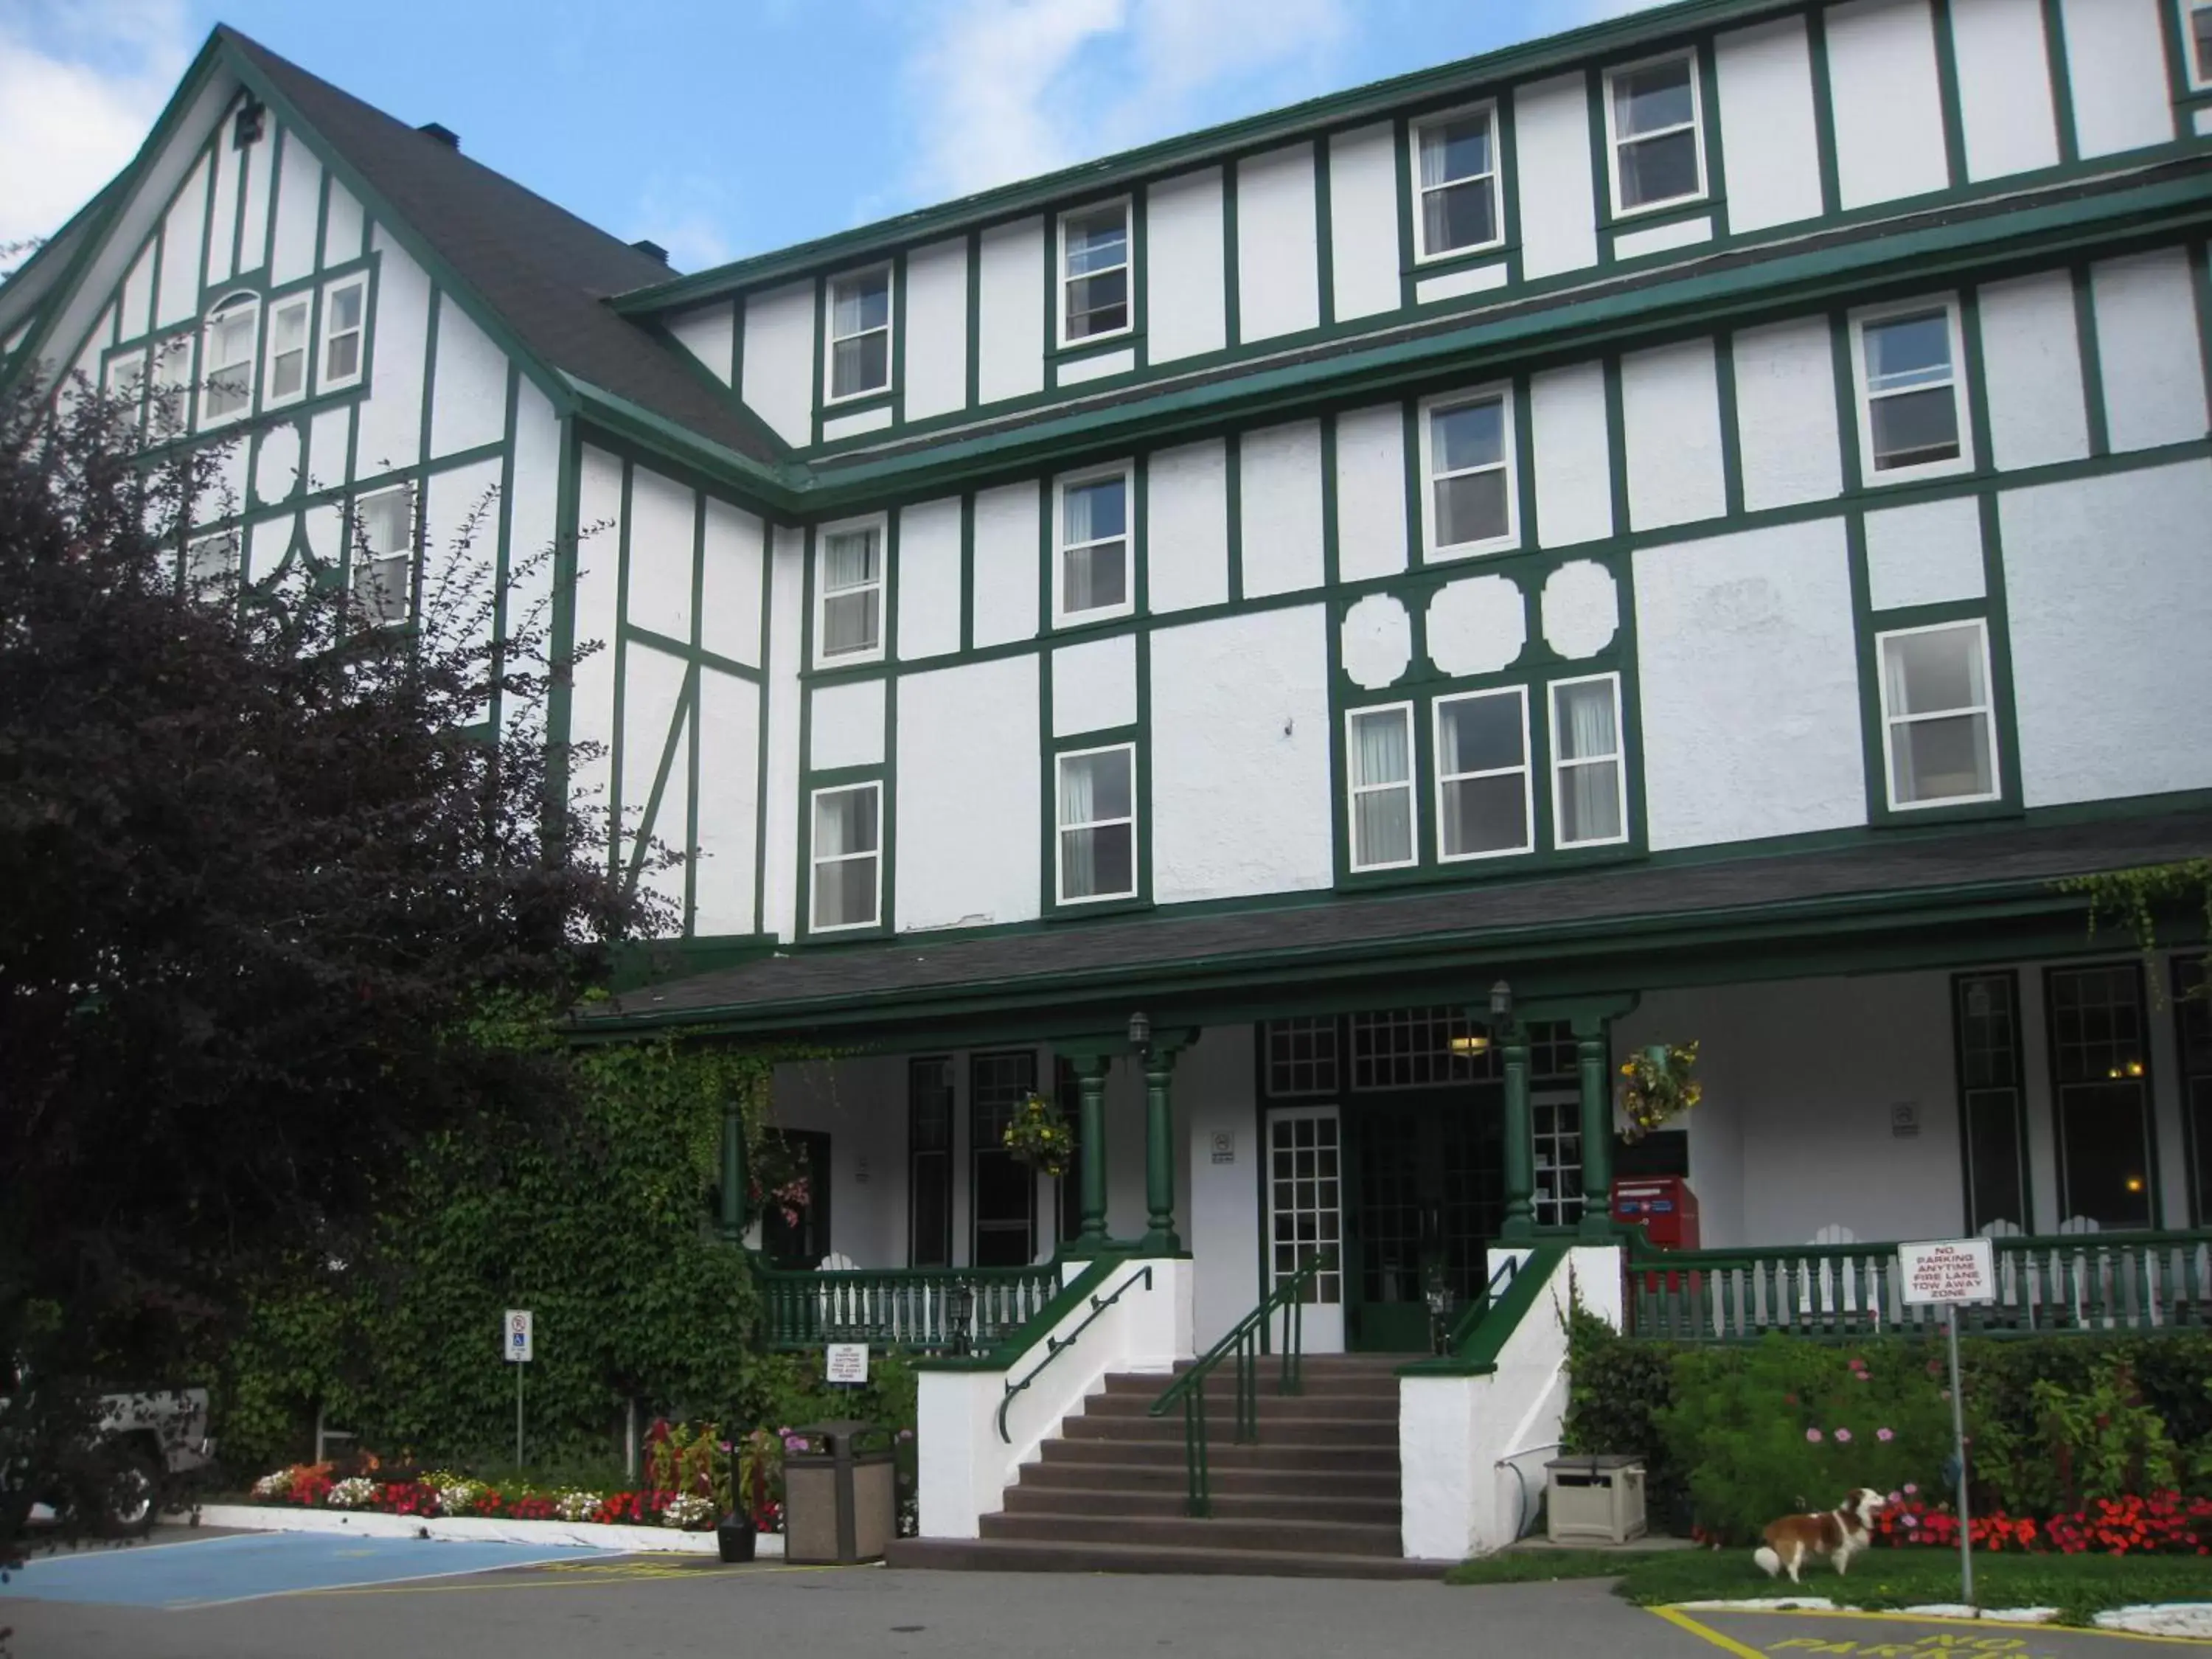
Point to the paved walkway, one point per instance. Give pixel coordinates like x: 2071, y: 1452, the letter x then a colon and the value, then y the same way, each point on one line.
x: 1900, y: 1636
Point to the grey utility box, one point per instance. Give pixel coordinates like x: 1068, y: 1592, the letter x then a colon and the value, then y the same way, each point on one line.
x: 1595, y: 1500
x: 839, y: 1498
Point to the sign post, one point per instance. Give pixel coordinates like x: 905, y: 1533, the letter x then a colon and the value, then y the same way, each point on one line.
x: 1952, y: 1271
x: 515, y: 1337
x: 846, y: 1363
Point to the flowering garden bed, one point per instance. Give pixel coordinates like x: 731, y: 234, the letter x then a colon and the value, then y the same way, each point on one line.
x: 453, y: 1497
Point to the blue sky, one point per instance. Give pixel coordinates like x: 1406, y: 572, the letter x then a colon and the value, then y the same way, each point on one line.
x: 722, y: 128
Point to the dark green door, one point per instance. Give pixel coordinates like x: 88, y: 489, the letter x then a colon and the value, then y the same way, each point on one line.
x: 1426, y: 1196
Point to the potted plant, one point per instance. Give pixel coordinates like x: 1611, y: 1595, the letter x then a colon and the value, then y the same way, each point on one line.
x: 1662, y: 1086
x: 754, y: 1460
x: 1039, y: 1136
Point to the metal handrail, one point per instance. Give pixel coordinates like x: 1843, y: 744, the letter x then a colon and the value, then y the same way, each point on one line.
x: 1462, y: 1329
x: 1243, y: 1342
x: 1056, y: 1346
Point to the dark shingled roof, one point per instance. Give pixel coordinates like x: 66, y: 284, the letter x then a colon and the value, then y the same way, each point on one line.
x: 1993, y: 862
x: 541, y: 269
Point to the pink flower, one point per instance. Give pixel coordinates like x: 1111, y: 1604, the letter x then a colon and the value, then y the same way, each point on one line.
x: 1884, y: 1435
x: 1912, y: 1520
x: 1812, y: 1435
x: 1897, y: 1497
x: 1843, y: 1437
x: 1911, y: 1491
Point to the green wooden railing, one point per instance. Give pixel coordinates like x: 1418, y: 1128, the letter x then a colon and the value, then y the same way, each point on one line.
x: 2088, y: 1282
x: 919, y: 1309
x: 1244, y: 1344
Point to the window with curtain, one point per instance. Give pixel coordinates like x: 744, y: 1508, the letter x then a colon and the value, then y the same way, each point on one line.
x: 1094, y: 546
x: 1909, y: 390
x: 1098, y: 825
x: 860, y: 332
x: 1470, y: 486
x: 849, y: 577
x: 847, y: 856
x: 344, y: 308
x: 1482, y: 774
x: 232, y: 333
x: 287, y: 351
x: 384, y: 553
x: 1588, y: 785
x: 1380, y: 769
x: 1094, y: 250
x: 1458, y: 207
x: 1937, y: 729
x: 1656, y: 159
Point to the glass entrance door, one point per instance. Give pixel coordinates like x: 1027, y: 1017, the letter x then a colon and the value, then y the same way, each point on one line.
x: 1429, y: 1197
x: 1306, y: 1218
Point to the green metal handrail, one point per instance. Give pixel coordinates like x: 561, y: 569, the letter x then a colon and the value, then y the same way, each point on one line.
x: 1463, y: 1328
x: 2146, y: 1281
x: 1243, y: 1341
x: 914, y: 1308
x: 1056, y: 1346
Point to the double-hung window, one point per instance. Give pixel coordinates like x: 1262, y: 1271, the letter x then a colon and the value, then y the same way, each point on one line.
x: 384, y: 554
x: 1096, y: 791
x: 1457, y: 210
x: 123, y: 382
x: 1379, y: 772
x: 1482, y: 774
x: 1093, y: 273
x: 1938, y: 733
x: 2196, y: 25
x: 860, y: 333
x: 1467, y: 450
x: 1908, y: 369
x: 210, y: 561
x: 849, y: 581
x: 1589, y: 806
x: 172, y: 384
x: 288, y: 352
x: 345, y: 310
x: 1657, y: 147
x: 847, y: 857
x: 1092, y: 575
x: 233, y: 329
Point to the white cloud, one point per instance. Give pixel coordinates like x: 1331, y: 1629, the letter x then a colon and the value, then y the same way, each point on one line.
x: 690, y: 217
x: 80, y: 88
x: 1003, y: 89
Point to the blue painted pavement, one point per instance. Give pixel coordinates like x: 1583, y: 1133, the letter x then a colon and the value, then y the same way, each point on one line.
x: 203, y: 1571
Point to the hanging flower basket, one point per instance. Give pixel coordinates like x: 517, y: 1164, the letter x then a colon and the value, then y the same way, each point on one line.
x: 1038, y: 1135
x: 1662, y: 1086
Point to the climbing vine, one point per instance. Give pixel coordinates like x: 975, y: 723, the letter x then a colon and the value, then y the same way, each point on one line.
x: 2131, y: 899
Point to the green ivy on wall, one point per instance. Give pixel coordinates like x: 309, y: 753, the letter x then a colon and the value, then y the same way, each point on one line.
x: 2132, y: 899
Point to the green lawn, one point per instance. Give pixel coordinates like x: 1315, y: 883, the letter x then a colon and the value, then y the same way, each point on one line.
x: 2080, y: 1585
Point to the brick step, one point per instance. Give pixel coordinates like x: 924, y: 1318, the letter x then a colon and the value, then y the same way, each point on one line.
x: 1276, y: 1430
x: 1365, y: 1383
x: 1223, y: 1454
x: 1168, y: 1479
x: 1190, y: 1532
x: 1221, y: 1402
x: 1108, y: 1498
x: 1040, y: 1555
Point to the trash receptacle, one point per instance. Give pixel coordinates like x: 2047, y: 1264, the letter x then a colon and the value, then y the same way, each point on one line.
x: 1594, y: 1500
x: 839, y: 1503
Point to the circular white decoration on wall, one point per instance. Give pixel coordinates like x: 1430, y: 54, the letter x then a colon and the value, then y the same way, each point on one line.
x: 1378, y: 641
x: 1582, y: 609
x: 1477, y: 626
x: 277, y: 470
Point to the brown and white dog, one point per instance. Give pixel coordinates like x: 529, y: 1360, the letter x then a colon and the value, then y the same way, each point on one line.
x: 1841, y: 1533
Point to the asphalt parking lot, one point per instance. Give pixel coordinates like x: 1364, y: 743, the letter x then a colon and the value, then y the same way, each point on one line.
x: 184, y: 1595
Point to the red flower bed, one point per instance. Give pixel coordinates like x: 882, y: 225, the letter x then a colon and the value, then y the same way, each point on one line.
x: 2163, y: 1523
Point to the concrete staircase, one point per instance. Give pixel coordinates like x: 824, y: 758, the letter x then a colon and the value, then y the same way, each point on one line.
x: 1316, y: 1497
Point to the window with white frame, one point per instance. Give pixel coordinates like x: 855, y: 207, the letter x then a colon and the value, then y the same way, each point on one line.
x: 860, y: 333
x: 848, y: 855
x: 345, y: 310
x: 1908, y: 385
x: 287, y: 351
x: 849, y: 582
x: 1457, y: 163
x: 1589, y: 806
x: 384, y: 553
x: 172, y: 384
x: 123, y: 380
x: 1657, y: 148
x: 1939, y: 738
x: 2196, y: 19
x: 1093, y: 273
x: 233, y: 330
x: 1096, y: 791
x: 1092, y: 573
x: 1466, y: 448
x: 210, y: 561
x: 1482, y: 774
x: 1379, y: 776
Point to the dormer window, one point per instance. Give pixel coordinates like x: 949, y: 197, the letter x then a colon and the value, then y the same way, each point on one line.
x: 233, y: 329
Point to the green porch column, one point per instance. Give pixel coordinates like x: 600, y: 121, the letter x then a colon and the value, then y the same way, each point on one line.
x: 1091, y: 1080
x: 1159, y: 1153
x: 734, y: 1173
x: 1594, y: 1064
x: 1520, y: 1222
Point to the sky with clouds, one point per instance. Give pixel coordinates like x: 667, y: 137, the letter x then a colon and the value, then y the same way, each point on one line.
x: 722, y: 128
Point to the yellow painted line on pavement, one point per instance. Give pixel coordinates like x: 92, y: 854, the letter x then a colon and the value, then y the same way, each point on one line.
x: 2012, y: 1626
x: 1726, y: 1644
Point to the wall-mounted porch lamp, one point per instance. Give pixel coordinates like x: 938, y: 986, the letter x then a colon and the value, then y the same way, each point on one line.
x: 1141, y: 1031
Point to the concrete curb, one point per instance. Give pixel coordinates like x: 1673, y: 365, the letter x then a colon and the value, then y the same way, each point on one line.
x: 364, y: 1523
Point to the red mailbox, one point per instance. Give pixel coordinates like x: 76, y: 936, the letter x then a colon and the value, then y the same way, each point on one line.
x: 1663, y: 1206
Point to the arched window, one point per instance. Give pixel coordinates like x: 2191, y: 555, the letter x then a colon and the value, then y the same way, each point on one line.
x: 234, y: 329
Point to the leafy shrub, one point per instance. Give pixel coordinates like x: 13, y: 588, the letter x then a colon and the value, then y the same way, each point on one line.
x: 1620, y: 1387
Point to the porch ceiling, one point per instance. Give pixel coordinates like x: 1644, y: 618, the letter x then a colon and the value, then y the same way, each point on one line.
x: 1900, y: 900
